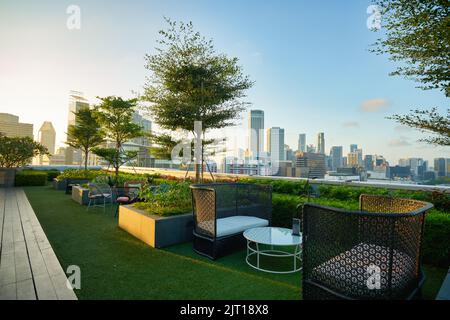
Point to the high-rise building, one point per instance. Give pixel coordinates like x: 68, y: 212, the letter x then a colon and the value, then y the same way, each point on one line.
x: 321, y: 143
x: 146, y: 128
x: 11, y: 127
x: 355, y: 158
x: 275, y: 147
x: 310, y: 148
x: 142, y: 144
x: 442, y: 167
x: 336, y: 157
x: 47, y: 136
x: 353, y: 147
x: 289, y: 153
x: 76, y: 103
x: 310, y: 165
x: 368, y: 162
x: 302, y: 142
x: 256, y: 134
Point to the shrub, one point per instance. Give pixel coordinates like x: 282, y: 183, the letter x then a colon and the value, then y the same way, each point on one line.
x: 280, y: 186
x: 52, y: 174
x: 80, y: 174
x: 436, y: 239
x: 435, y: 249
x: 175, y: 200
x: 30, y: 178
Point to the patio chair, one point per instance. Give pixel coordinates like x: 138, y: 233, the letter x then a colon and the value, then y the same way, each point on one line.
x: 222, y: 212
x: 128, y: 194
x: 99, y: 193
x: 374, y: 253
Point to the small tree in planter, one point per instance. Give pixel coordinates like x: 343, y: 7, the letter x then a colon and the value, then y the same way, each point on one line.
x: 116, y: 158
x: 17, y: 152
x: 115, y: 115
x: 86, y: 134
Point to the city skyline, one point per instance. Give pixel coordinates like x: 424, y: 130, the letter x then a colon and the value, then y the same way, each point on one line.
x: 318, y: 81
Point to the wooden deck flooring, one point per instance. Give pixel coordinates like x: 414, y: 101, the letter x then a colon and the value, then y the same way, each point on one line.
x: 29, y: 268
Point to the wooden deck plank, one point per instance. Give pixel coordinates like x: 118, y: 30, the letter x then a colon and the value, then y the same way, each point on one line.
x: 2, y: 214
x: 29, y: 268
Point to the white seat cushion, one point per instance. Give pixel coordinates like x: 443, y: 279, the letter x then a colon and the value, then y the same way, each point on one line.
x: 238, y: 224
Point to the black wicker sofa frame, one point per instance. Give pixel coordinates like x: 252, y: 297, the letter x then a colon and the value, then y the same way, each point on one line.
x: 222, y: 211
x: 374, y: 253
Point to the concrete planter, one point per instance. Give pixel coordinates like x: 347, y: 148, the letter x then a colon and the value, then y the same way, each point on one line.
x: 80, y: 195
x: 156, y: 231
x: 62, y: 184
x: 7, y: 177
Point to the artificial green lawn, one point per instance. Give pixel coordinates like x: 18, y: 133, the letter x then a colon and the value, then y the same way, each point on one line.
x: 114, y: 265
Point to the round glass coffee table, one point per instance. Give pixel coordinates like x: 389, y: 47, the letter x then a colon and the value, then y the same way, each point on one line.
x: 273, y: 242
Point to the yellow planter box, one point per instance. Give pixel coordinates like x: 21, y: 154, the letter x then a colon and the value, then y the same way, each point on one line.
x: 156, y: 231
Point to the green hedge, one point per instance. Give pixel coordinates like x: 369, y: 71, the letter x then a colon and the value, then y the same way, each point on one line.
x: 52, y: 174
x: 280, y: 186
x: 437, y: 224
x: 440, y: 200
x: 79, y: 174
x: 30, y: 178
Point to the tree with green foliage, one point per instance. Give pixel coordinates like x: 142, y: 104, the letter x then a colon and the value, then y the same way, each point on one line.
x: 428, y: 121
x: 417, y: 34
x: 86, y: 134
x: 116, y: 158
x: 19, y: 151
x: 115, y: 115
x: 191, y: 82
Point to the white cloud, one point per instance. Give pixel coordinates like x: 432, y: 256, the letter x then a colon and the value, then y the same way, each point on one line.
x: 374, y: 105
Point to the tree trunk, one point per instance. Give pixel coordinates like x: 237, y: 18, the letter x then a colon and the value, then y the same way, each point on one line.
x: 86, y: 156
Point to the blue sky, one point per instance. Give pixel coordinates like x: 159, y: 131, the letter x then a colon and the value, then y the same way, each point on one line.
x: 309, y: 60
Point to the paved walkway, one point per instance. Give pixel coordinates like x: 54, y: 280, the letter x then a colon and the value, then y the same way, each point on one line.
x: 29, y: 269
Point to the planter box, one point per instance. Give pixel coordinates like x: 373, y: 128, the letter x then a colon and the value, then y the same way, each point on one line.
x: 62, y: 184
x: 80, y: 195
x: 7, y: 177
x: 156, y: 231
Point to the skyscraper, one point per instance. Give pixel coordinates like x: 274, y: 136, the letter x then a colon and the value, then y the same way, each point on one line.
x: 368, y: 162
x: 442, y: 167
x: 11, y: 127
x: 47, y: 136
x: 76, y: 103
x: 321, y: 143
x: 355, y: 158
x: 336, y: 157
x: 310, y: 165
x: 353, y: 147
x: 302, y: 142
x: 256, y: 134
x: 275, y: 144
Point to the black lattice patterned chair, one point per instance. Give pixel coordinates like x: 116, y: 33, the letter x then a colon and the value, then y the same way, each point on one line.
x: 222, y: 212
x: 374, y: 253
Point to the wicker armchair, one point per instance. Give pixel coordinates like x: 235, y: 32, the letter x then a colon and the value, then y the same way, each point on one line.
x: 374, y: 253
x: 222, y: 212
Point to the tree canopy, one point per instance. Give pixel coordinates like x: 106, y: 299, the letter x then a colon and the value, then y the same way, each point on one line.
x: 417, y: 34
x: 86, y: 133
x: 428, y: 121
x: 19, y: 151
x: 115, y: 115
x: 192, y: 82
